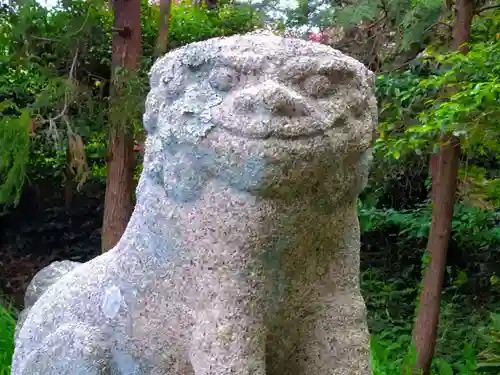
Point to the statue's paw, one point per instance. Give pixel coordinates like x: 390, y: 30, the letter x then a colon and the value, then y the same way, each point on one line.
x: 73, y: 349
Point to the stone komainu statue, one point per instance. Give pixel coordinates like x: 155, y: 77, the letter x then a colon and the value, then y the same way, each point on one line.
x: 242, y: 254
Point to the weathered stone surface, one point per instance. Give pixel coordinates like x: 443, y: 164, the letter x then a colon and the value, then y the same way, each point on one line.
x: 242, y: 254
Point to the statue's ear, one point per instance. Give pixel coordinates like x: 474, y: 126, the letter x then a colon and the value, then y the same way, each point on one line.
x: 45, y: 278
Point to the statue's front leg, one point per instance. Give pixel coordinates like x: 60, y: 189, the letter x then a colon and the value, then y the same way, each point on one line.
x: 229, y: 337
x: 337, y: 338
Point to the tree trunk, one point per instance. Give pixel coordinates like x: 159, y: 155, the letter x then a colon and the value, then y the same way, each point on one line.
x: 118, y: 202
x: 464, y: 12
x: 162, y: 41
x: 444, y: 170
x: 443, y: 193
x: 211, y: 4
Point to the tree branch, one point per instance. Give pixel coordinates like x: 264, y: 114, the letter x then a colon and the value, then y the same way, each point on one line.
x: 67, y: 35
x: 439, y: 23
x: 376, y: 22
x: 488, y: 7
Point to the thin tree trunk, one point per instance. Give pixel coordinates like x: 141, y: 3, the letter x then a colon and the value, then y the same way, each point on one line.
x: 162, y: 41
x: 118, y: 202
x: 464, y: 12
x: 211, y: 4
x: 444, y: 170
x: 443, y: 193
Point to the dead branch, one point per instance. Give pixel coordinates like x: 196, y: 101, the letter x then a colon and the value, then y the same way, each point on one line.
x: 77, y: 159
x: 66, y: 94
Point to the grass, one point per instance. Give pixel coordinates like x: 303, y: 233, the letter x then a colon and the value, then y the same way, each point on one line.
x: 7, y: 327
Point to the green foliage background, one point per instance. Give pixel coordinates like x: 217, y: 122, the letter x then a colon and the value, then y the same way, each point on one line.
x: 415, y: 107
x: 55, y: 73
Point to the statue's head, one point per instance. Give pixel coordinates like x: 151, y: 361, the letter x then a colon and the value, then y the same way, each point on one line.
x: 266, y: 100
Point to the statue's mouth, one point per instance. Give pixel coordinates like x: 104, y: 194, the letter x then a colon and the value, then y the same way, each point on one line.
x: 274, y: 134
x: 278, y: 127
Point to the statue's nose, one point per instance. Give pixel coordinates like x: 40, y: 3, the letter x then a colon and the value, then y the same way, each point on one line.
x: 270, y: 109
x: 273, y: 97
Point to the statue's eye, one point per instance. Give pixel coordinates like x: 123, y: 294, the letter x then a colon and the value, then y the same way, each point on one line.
x: 317, y: 86
x: 224, y: 79
x: 337, y: 75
